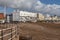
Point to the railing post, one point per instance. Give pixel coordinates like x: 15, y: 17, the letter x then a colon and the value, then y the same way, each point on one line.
x: 1, y: 34
x: 11, y: 33
x: 16, y: 31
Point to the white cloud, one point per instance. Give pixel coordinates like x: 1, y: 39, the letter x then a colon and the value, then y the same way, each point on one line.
x: 53, y: 9
x: 32, y: 5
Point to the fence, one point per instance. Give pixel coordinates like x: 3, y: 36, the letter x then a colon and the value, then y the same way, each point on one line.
x: 8, y: 33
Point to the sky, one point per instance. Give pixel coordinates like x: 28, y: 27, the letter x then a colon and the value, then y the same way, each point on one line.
x: 8, y: 10
x: 40, y: 6
x: 51, y: 1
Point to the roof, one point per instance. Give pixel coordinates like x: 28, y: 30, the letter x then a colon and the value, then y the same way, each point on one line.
x: 1, y: 16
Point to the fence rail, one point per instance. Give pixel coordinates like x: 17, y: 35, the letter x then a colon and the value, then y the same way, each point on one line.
x: 12, y: 33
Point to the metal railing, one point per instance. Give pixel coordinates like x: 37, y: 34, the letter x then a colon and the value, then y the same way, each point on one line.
x: 12, y: 32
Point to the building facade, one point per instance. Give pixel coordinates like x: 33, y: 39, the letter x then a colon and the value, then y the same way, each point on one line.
x: 24, y: 16
x: 2, y: 18
x: 40, y: 17
x: 16, y: 16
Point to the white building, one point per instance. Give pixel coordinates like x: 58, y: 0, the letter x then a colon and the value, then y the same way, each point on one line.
x: 8, y: 18
x: 24, y: 16
x: 54, y: 18
x: 48, y: 17
x: 28, y: 16
x: 16, y: 16
x: 40, y: 17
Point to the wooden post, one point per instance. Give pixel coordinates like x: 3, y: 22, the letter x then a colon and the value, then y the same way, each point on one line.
x: 16, y: 31
x: 11, y: 33
x: 2, y: 34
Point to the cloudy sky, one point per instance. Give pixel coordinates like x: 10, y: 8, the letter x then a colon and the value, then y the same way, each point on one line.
x: 42, y: 6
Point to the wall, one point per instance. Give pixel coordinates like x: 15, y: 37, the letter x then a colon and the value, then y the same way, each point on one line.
x: 40, y: 16
x: 16, y: 16
x: 1, y: 16
x: 30, y: 14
